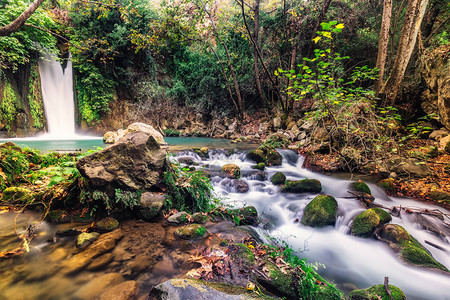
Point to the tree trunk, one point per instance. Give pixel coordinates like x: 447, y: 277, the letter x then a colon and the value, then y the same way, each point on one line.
x: 21, y: 19
x: 383, y: 43
x: 411, y: 25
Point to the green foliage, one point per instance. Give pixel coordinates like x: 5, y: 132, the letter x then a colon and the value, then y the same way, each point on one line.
x: 13, y: 165
x: 19, y: 47
x: 8, y: 108
x: 171, y: 132
x: 35, y: 98
x: 188, y: 190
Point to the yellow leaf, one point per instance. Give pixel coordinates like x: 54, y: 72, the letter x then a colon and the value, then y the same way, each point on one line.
x: 316, y: 39
x: 340, y: 26
x: 327, y: 34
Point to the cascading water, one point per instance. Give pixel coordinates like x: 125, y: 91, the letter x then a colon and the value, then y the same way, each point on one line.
x: 57, y: 92
x: 349, y: 261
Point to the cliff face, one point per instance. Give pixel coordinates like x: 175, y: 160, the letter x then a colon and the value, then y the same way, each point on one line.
x: 21, y: 105
x: 436, y: 75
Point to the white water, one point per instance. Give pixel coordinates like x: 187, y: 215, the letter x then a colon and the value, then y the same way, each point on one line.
x: 347, y: 259
x: 57, y: 92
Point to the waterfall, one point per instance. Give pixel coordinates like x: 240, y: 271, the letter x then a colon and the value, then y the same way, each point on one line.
x: 57, y: 93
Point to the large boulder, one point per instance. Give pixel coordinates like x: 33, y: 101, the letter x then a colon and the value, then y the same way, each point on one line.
x: 278, y: 178
x: 150, y: 205
x: 365, y: 223
x: 302, y: 186
x: 112, y: 137
x: 135, y: 162
x: 411, y: 167
x: 377, y: 292
x: 232, y: 170
x: 320, y: 212
x: 360, y: 186
x: 408, y: 248
x: 265, y: 154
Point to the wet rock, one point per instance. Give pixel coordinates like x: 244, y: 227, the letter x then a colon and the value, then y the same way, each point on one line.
x: 126, y: 290
x: 261, y: 166
x: 232, y: 170
x: 85, y: 239
x: 248, y: 215
x: 408, y: 167
x: 200, y: 218
x: 360, y: 186
x: 320, y: 212
x: 256, y: 175
x: 186, y: 160
x: 150, y: 205
x: 278, y: 178
x: 236, y: 185
x: 267, y: 155
x: 112, y: 137
x: 135, y: 162
x: 302, y: 186
x: 202, y: 152
x: 364, y: 224
x: 191, y: 231
x: 97, y: 285
x: 16, y: 195
x: 178, y: 218
x: 100, y: 262
x: 68, y: 232
x: 388, y: 185
x: 408, y: 248
x: 106, y: 224
x: 199, y: 290
x: 377, y: 292
x: 278, y: 140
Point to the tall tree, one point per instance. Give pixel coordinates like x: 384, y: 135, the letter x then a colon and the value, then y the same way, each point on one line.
x: 383, y: 42
x: 21, y: 19
x: 411, y: 25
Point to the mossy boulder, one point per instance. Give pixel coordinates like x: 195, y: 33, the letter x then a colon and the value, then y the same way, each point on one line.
x: 191, y: 231
x: 178, y: 218
x: 106, y: 224
x: 150, y: 205
x: 388, y: 185
x: 377, y: 292
x: 302, y: 186
x: 320, y: 212
x: 232, y: 170
x: 85, y: 239
x: 284, y: 284
x: 278, y: 178
x: 202, y: 152
x: 247, y: 215
x: 440, y: 197
x: 243, y: 253
x: 265, y: 154
x: 360, y: 186
x: 409, y: 249
x: 17, y: 195
x: 365, y: 223
x: 200, y: 218
x: 261, y: 166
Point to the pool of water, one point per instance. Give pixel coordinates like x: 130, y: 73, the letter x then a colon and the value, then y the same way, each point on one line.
x: 91, y: 143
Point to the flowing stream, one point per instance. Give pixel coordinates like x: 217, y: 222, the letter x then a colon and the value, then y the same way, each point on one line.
x: 344, y: 259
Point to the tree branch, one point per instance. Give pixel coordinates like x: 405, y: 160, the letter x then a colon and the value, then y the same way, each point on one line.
x: 20, y: 21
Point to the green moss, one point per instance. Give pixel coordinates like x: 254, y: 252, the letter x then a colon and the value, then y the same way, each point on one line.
x: 280, y: 283
x: 261, y: 166
x: 388, y: 185
x: 35, y: 98
x: 302, y: 186
x: 17, y: 195
x: 265, y: 154
x: 244, y: 253
x: 247, y: 215
x: 365, y: 223
x: 360, y: 186
x: 440, y: 196
x: 321, y: 211
x: 191, y: 231
x: 107, y: 224
x: 232, y: 170
x: 377, y: 292
x: 278, y: 178
x: 8, y: 100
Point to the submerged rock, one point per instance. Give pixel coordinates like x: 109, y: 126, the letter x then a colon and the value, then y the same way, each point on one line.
x: 199, y: 290
x: 112, y: 137
x: 302, y: 186
x: 365, y: 223
x: 191, y: 231
x: 377, y: 292
x: 408, y: 248
x: 360, y: 186
x: 94, y: 287
x: 85, y: 239
x: 135, y: 162
x: 278, y: 178
x: 232, y: 170
x: 320, y: 212
x: 126, y: 290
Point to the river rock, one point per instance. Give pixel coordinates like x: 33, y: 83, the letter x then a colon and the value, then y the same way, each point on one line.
x: 408, y: 248
x: 191, y: 231
x: 85, y: 239
x: 235, y: 185
x: 360, y: 186
x: 364, y: 224
x: 150, y: 205
x: 185, y: 160
x: 256, y: 175
x: 106, y: 224
x: 248, y: 215
x: 112, y: 137
x: 126, y: 290
x: 135, y: 162
x: 100, y: 262
x: 320, y: 212
x: 407, y: 167
x: 302, y: 186
x: 377, y: 292
x: 267, y: 155
x: 180, y: 217
x: 260, y: 166
x: 278, y: 178
x: 232, y: 170
x: 183, y: 289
